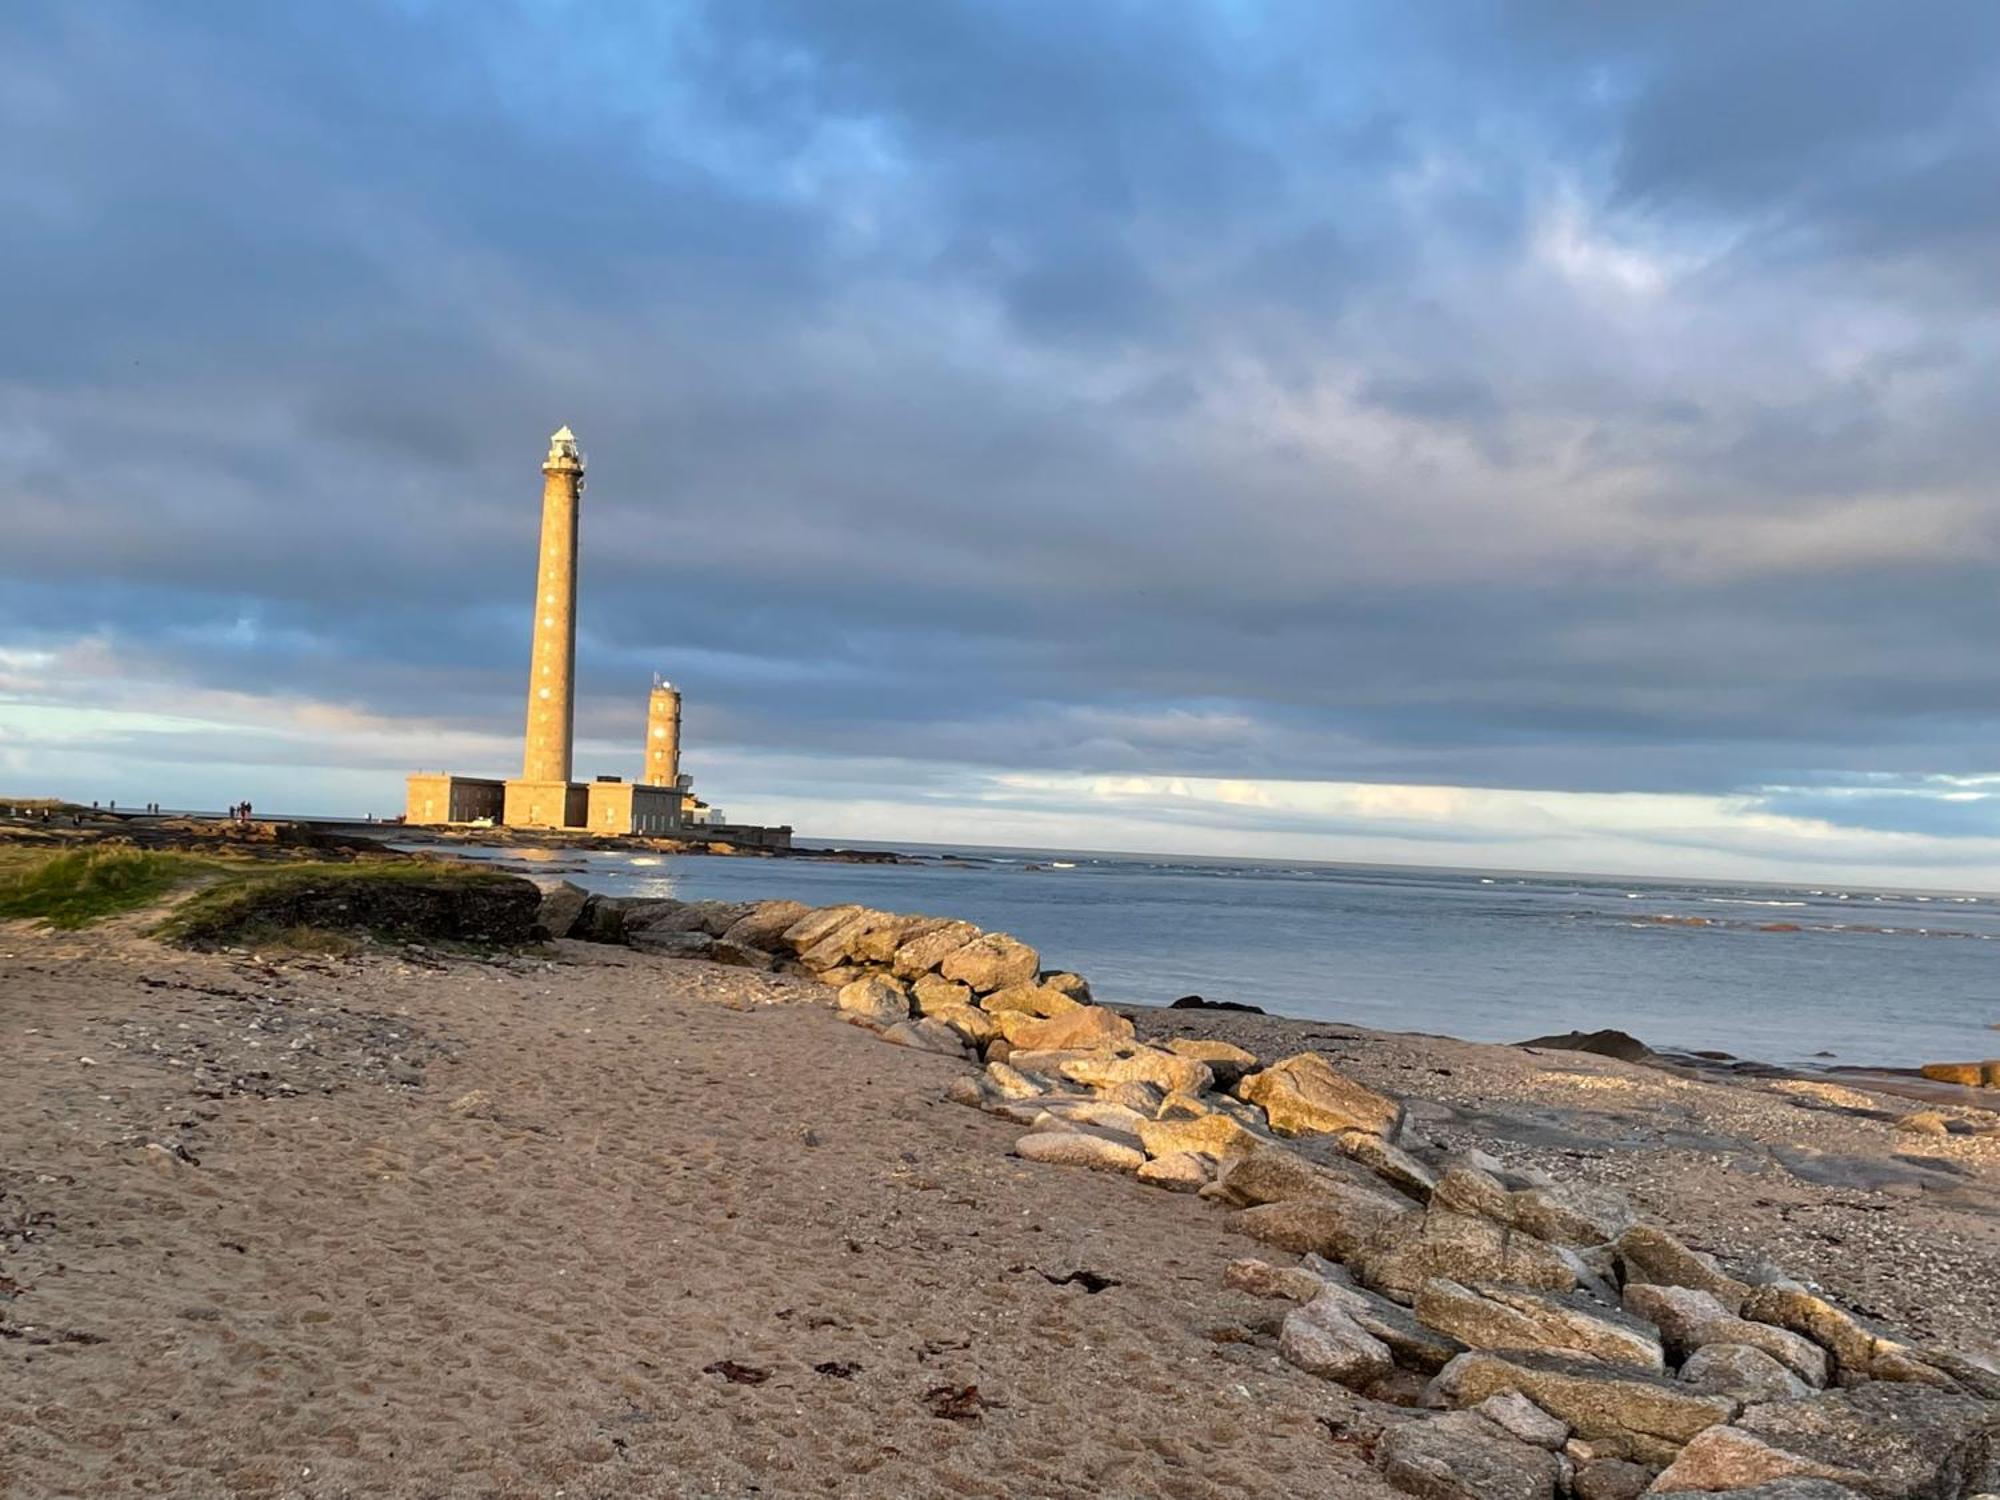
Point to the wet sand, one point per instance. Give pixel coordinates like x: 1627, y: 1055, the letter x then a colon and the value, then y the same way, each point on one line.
x: 609, y: 1224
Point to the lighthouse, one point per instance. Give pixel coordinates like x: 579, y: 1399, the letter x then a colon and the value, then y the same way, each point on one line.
x: 663, y: 735
x: 552, y: 664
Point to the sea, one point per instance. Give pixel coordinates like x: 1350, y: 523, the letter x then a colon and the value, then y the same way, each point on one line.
x: 1814, y: 976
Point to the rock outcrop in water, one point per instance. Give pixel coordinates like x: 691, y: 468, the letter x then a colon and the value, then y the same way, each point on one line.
x: 1545, y: 1343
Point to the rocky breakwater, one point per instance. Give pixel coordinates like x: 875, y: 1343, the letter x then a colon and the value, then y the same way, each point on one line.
x: 1525, y: 1338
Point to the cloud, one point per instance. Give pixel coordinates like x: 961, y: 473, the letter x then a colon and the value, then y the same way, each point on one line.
x: 1539, y: 398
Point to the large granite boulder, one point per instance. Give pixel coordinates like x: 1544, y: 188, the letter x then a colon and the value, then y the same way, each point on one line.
x: 1039, y: 1000
x: 933, y: 992
x: 1337, y: 1225
x: 1262, y: 1279
x: 968, y: 1021
x: 1227, y: 1061
x: 1073, y: 1148
x: 1275, y: 1174
x: 1465, y: 1456
x: 816, y: 924
x: 923, y: 953
x: 992, y: 962
x: 1742, y: 1371
x: 1688, y: 1319
x: 1411, y: 1250
x: 927, y: 1034
x: 1104, y: 1067
x: 561, y: 908
x: 1322, y: 1339
x: 1858, y: 1347
x: 837, y: 948
x: 1085, y: 1026
x: 1410, y: 1343
x: 879, y: 942
x: 1217, y: 1136
x: 765, y: 924
x: 877, y: 999
x: 1650, y: 1254
x: 1913, y: 1442
x: 1627, y: 1412
x: 1485, y: 1316
x: 1303, y: 1095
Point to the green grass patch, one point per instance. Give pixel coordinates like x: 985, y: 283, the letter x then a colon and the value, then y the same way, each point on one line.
x: 74, y: 888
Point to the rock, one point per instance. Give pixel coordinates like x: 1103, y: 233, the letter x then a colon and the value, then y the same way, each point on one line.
x: 992, y: 962
x: 1039, y: 1000
x: 1142, y: 1098
x: 1217, y: 1136
x: 1857, y: 1347
x: 1336, y: 1227
x: 1073, y: 985
x: 1728, y: 1458
x: 1411, y: 1250
x: 1262, y: 1279
x: 723, y: 951
x: 933, y: 992
x: 711, y: 917
x: 816, y: 924
x: 674, y: 943
x: 1177, y: 1172
x: 1524, y: 1420
x: 973, y: 1024
x: 1908, y: 1440
x: 1100, y: 1067
x: 1321, y: 1339
x: 1098, y: 1112
x: 1570, y: 1213
x: 1303, y: 1095
x: 1646, y: 1417
x: 1922, y: 1122
x: 838, y: 977
x: 879, y: 942
x: 1012, y: 1082
x: 1688, y: 1319
x: 1970, y: 1074
x: 1500, y: 1317
x: 1742, y: 1371
x: 1610, y: 1479
x: 561, y: 908
x: 877, y: 998
x: 923, y: 953
x: 1605, y: 1043
x: 602, y: 920
x: 1225, y: 1060
x: 1776, y: 1489
x: 1391, y: 1163
x: 1466, y: 1189
x: 973, y: 1091
x: 765, y: 924
x: 837, y: 948
x: 1463, y: 1456
x: 1184, y: 1106
x: 1650, y: 1254
x: 926, y: 1035
x: 1074, y: 1149
x: 1086, y: 1026
x: 1410, y: 1344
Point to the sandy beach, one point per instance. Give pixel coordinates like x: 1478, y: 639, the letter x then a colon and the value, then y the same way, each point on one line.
x: 603, y: 1223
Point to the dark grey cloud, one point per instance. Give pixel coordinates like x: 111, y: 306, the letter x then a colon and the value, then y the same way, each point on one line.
x: 1534, y: 395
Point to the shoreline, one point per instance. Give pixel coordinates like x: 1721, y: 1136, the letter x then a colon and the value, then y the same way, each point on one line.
x: 598, y: 1219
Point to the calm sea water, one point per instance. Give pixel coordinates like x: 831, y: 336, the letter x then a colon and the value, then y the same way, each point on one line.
x: 1871, y: 977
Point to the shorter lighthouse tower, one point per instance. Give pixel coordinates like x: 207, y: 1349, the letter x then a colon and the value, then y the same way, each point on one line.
x: 663, y: 735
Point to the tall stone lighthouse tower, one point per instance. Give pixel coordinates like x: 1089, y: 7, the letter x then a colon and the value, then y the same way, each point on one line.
x: 663, y: 735
x: 552, y: 667
x: 544, y: 796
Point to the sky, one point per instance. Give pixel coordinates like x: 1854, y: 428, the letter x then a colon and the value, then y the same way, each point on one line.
x: 1550, y: 435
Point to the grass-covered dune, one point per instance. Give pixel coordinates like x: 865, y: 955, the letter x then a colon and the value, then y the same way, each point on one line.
x: 413, y: 900
x: 210, y: 900
x: 72, y: 888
